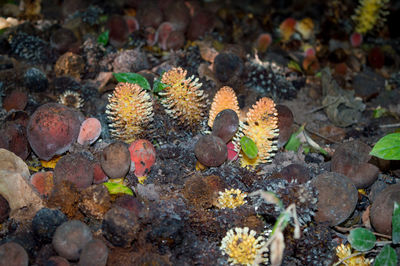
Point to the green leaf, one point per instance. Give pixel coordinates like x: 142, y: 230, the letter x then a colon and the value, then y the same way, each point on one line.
x: 396, y: 224
x: 318, y: 74
x: 158, y: 85
x: 295, y: 66
x: 387, y: 257
x: 103, y: 18
x: 361, y: 239
x: 388, y: 147
x: 379, y: 111
x: 249, y: 147
x: 133, y: 78
x: 103, y: 38
x: 116, y: 188
x: 294, y: 142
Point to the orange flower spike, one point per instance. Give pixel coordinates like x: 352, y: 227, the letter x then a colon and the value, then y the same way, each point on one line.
x: 225, y: 98
x: 182, y: 98
x: 287, y: 28
x: 262, y: 127
x: 130, y: 111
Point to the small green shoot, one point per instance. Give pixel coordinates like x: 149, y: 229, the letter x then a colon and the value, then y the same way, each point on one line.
x: 301, y: 139
x: 379, y: 112
x: 388, y: 147
x: 295, y: 66
x: 294, y: 142
x: 103, y: 18
x: 158, y: 85
x: 133, y: 78
x: 275, y: 243
x: 249, y: 147
x: 116, y: 188
x: 396, y: 224
x: 103, y: 38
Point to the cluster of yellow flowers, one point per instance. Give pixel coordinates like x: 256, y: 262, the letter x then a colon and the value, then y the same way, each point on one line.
x: 242, y: 246
x: 231, y: 198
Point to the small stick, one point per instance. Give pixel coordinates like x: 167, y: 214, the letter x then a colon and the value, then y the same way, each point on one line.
x: 390, y: 125
x: 344, y: 229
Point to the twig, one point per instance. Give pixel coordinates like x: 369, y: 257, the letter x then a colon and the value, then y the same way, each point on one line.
x: 390, y: 125
x: 344, y: 229
x: 321, y: 136
x: 316, y: 109
x: 382, y: 243
x: 382, y: 235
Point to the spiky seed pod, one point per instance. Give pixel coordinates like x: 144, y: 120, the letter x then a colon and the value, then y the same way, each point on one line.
x: 183, y: 99
x: 242, y: 247
x: 31, y: 48
x: 270, y: 79
x: 369, y: 13
x: 231, y: 198
x: 261, y: 126
x: 71, y: 99
x: 130, y: 111
x: 225, y: 98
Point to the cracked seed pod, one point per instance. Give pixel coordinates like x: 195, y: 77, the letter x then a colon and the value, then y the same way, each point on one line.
x: 71, y: 99
x: 183, y: 99
x: 130, y: 111
x: 261, y: 125
x: 225, y: 98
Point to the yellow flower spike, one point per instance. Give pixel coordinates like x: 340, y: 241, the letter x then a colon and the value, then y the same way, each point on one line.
x: 305, y: 27
x: 200, y: 166
x: 261, y: 126
x: 183, y: 99
x: 368, y: 14
x: 130, y: 111
x: 52, y: 163
x: 141, y: 179
x: 242, y: 247
x: 344, y: 251
x: 225, y: 98
x: 231, y: 198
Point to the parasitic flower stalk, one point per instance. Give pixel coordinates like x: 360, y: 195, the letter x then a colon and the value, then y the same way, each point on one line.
x: 130, y: 111
x: 183, y: 99
x: 368, y: 14
x: 261, y: 126
x: 242, y: 247
x: 225, y: 98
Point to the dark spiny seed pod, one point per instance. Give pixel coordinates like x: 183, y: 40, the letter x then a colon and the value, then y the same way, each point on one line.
x: 31, y: 48
x: 269, y: 79
x: 191, y: 60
